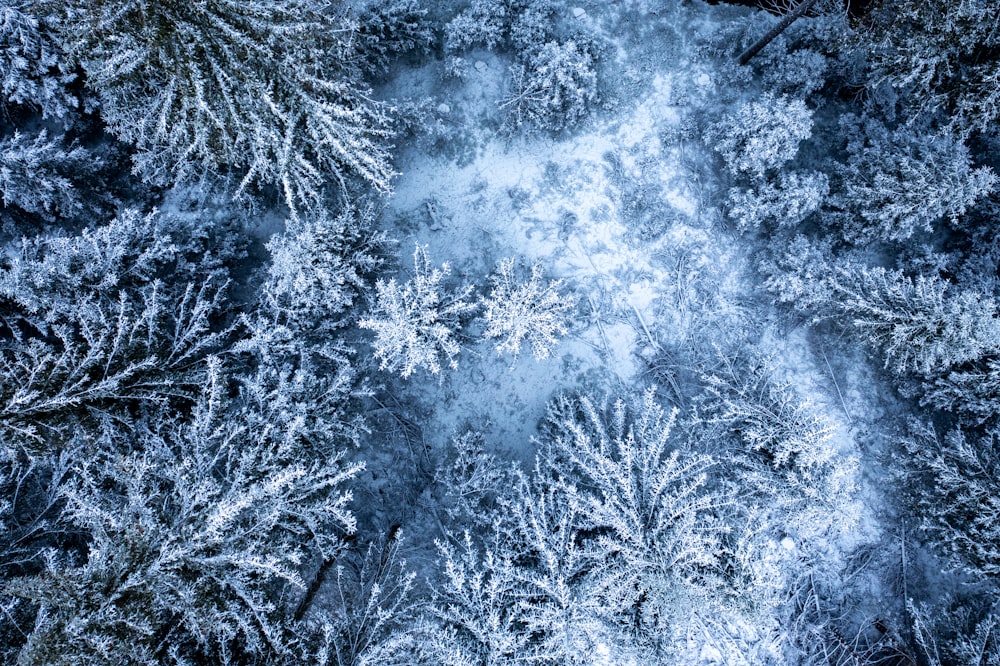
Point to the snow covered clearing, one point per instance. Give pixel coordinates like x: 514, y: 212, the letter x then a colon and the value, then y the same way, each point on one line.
x: 621, y: 211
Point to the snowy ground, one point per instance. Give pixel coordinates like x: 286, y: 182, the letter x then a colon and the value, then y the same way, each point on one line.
x: 620, y: 212
x: 613, y: 211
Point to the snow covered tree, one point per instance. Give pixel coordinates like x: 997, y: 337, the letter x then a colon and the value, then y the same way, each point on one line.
x: 415, y: 324
x: 919, y: 323
x: 952, y: 484
x: 92, y: 330
x: 196, y: 537
x: 924, y: 325
x: 387, y: 29
x: 643, y: 500
x: 542, y: 532
x: 554, y: 77
x: 522, y: 25
x: 471, y: 481
x: 769, y: 417
x: 796, y: 274
x: 957, y: 630
x: 942, y: 56
x: 593, y: 550
x: 786, y: 455
x: 319, y: 267
x: 761, y: 135
x: 32, y: 526
x: 36, y: 175
x: 517, y: 598
x: 478, y: 606
x: 530, y: 311
x: 799, y: 61
x: 554, y: 88
x: 267, y: 91
x: 482, y: 24
x: 785, y: 203
x: 899, y: 183
x: 371, y: 610
x: 33, y: 71
x: 972, y: 390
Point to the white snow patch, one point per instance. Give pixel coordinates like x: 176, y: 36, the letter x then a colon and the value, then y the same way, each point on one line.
x: 564, y: 204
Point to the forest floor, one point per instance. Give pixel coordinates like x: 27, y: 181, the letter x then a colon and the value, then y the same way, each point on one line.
x: 614, y: 210
x: 623, y: 210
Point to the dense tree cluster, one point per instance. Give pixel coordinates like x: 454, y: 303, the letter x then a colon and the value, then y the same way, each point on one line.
x: 897, y: 253
x: 554, y: 78
x: 204, y: 329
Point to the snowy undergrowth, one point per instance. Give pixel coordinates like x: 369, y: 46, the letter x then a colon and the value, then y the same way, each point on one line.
x: 612, y: 211
x: 623, y: 211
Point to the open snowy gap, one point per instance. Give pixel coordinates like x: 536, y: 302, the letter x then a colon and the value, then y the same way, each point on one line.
x: 616, y: 213
x: 610, y: 211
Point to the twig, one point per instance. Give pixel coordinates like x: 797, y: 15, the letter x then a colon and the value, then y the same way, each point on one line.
x: 902, y: 551
x: 600, y: 326
x: 836, y: 385
x: 645, y: 328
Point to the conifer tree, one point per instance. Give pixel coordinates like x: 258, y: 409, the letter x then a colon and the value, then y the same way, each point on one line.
x: 267, y: 92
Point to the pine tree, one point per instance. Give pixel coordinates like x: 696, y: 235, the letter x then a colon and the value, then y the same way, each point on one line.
x: 761, y: 135
x: 304, y: 372
x: 951, y: 482
x: 941, y: 57
x: 387, y: 29
x: 32, y: 527
x: 523, y: 25
x: 972, y: 390
x: 956, y: 630
x: 919, y: 323
x: 530, y: 311
x: 478, y: 607
x: 195, y: 538
x: 517, y: 597
x: 903, y: 182
x: 266, y: 91
x: 415, y: 324
x: 924, y: 325
x: 33, y: 71
x: 373, y: 606
x: 319, y: 268
x: 643, y: 499
x: 554, y: 89
x: 92, y: 330
x: 471, y: 481
x: 36, y: 175
x: 785, y: 203
x: 784, y: 452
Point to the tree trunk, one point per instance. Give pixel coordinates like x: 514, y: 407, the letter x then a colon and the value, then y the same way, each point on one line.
x: 779, y: 28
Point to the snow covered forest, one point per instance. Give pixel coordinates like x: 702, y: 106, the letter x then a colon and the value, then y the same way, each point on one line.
x: 487, y: 332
